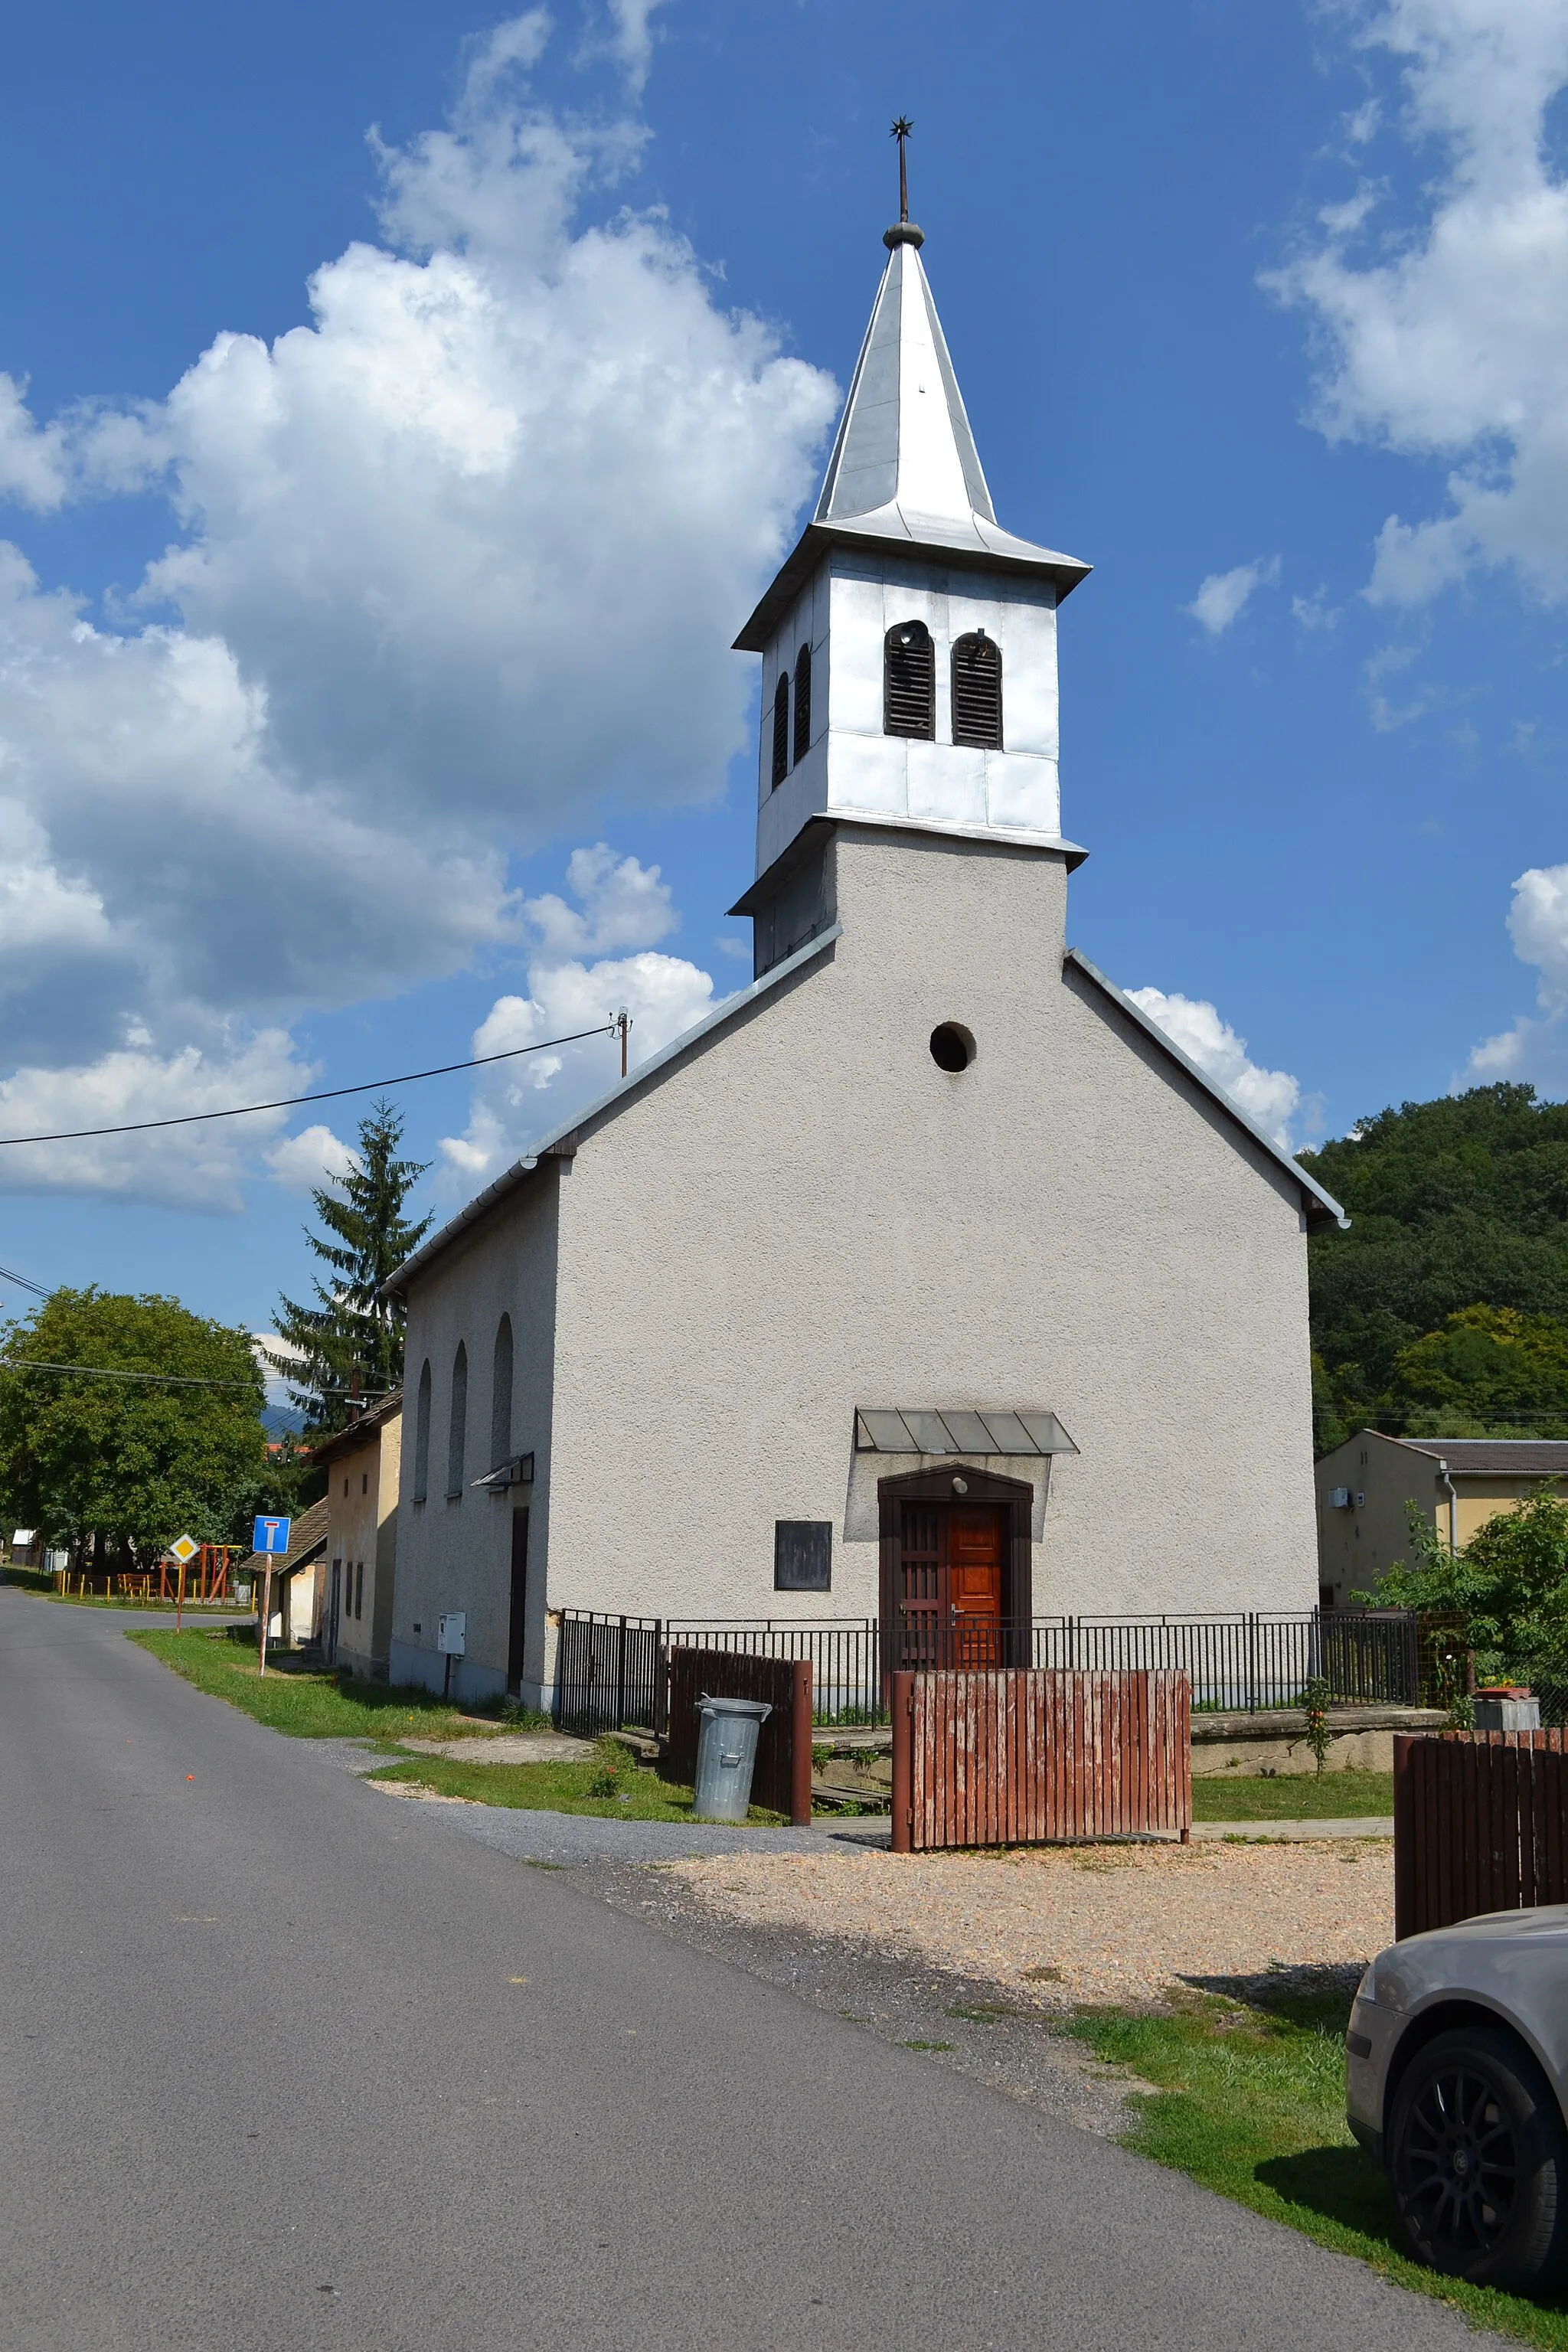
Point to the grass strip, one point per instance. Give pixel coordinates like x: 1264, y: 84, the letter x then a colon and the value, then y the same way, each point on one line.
x: 613, y: 1787
x: 1293, y: 1796
x: 302, y: 1702
x: 1249, y: 2100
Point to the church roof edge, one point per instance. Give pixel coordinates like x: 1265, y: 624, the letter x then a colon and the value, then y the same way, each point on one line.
x: 1329, y: 1212
x: 561, y: 1143
x: 798, y: 847
x: 935, y: 538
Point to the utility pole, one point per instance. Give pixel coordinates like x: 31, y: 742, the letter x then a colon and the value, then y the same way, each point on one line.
x: 620, y: 1024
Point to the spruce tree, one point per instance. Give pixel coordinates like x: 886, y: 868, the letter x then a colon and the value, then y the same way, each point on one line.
x: 351, y: 1341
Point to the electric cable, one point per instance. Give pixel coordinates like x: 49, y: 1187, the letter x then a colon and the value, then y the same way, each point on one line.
x: 291, y: 1102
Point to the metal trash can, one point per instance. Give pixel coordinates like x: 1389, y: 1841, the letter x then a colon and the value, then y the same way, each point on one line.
x: 726, y: 1755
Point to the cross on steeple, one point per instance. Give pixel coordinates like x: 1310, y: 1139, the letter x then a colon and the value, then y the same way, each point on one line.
x: 900, y: 130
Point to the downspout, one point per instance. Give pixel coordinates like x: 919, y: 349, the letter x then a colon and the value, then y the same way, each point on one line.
x: 1453, y: 1510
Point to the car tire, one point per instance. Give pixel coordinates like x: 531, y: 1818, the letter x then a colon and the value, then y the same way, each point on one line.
x: 1478, y: 2160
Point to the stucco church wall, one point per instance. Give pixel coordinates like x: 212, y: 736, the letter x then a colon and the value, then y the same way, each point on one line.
x: 805, y: 1215
x: 458, y: 1555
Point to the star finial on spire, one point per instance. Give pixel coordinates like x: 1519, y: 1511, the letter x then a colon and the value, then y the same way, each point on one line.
x: 903, y: 231
x: 900, y: 130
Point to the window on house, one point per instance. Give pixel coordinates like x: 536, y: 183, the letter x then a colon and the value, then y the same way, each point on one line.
x: 458, y: 1427
x: 909, y: 681
x: 501, y: 1396
x: 421, y: 1437
x: 978, y: 691
x: 801, y: 704
x: 359, y: 1589
x: 781, y: 731
x: 365, y: 1481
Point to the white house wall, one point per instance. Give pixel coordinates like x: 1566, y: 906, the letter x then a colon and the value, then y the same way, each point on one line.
x: 845, y: 613
x: 807, y: 1215
x: 458, y: 1554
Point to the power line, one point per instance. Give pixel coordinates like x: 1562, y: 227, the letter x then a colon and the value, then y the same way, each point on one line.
x: 291, y: 1102
x: 168, y: 1380
x: 22, y: 1282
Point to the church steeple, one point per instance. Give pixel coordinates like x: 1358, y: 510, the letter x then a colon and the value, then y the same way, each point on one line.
x: 908, y: 641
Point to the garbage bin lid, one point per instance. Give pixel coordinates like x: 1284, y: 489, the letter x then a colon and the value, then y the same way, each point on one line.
x: 735, y: 1706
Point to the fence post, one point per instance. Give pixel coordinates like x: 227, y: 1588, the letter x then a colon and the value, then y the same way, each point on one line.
x: 1404, y: 1856
x: 800, y: 1748
x: 903, y: 1701
x: 621, y: 1676
x: 1252, y: 1661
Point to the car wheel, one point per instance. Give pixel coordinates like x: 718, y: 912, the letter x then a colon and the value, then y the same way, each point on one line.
x: 1478, y: 2160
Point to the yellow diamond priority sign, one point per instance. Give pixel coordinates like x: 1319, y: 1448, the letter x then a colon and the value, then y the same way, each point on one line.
x: 184, y: 1549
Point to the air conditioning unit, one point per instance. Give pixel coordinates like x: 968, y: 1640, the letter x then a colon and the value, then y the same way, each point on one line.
x: 1339, y: 1499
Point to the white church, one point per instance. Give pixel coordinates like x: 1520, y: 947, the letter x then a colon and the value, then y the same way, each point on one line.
x: 925, y: 1280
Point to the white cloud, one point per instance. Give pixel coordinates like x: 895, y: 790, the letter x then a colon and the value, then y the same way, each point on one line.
x: 1224, y: 595
x: 1536, y: 1047
x: 457, y: 564
x: 304, y: 1162
x: 1269, y: 1096
x: 1449, y: 338
x: 188, y: 1167
x: 623, y: 904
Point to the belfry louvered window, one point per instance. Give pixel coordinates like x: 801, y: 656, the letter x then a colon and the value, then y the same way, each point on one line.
x: 801, y: 704
x: 909, y: 681
x: 978, y: 691
x: 781, y: 731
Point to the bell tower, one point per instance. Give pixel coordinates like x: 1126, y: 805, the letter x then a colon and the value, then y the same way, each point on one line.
x: 908, y: 643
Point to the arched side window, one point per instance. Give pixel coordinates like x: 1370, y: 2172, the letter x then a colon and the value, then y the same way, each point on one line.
x: 781, y: 733
x: 909, y: 681
x: 421, y: 1437
x: 501, y: 1396
x: 801, y: 704
x: 458, y: 1429
x: 978, y: 691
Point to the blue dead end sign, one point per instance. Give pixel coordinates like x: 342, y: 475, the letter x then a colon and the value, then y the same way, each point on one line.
x: 270, y: 1536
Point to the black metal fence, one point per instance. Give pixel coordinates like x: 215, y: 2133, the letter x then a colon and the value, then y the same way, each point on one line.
x: 611, y: 1672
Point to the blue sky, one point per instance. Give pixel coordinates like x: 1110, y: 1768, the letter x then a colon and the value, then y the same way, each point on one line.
x: 328, y: 662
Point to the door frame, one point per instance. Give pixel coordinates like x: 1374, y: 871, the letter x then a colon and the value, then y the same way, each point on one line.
x: 936, y: 1486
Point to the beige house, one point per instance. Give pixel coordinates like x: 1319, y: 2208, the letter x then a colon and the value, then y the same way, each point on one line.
x: 364, y: 1464
x: 927, y: 1275
x: 1363, y: 1488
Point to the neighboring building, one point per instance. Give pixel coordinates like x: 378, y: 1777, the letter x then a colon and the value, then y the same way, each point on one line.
x: 927, y: 1274
x: 363, y: 1464
x: 1365, y: 1486
x: 296, y: 1580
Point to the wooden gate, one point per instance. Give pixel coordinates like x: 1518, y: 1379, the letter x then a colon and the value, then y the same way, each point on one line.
x: 1021, y: 1755
x: 1480, y: 1824
x: 782, y: 1780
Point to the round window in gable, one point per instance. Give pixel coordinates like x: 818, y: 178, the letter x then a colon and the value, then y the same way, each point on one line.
x: 952, y: 1047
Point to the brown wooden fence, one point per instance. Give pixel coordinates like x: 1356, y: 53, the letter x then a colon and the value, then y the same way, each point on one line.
x: 1023, y: 1755
x: 1480, y: 1824
x: 782, y: 1780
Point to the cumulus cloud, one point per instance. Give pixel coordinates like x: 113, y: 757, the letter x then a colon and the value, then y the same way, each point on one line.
x: 1269, y: 1097
x: 1536, y: 1046
x: 621, y: 904
x: 304, y: 1162
x: 455, y: 564
x: 1224, y: 595
x: 1449, y: 338
x: 187, y: 1167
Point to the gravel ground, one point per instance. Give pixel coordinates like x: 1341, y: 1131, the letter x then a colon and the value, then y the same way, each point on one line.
x: 1121, y: 1923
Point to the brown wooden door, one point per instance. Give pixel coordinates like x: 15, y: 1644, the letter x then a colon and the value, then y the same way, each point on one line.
x: 920, y: 1599
x: 517, y: 1632
x: 976, y: 1551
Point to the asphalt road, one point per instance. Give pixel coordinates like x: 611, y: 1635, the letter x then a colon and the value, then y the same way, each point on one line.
x: 284, y: 2063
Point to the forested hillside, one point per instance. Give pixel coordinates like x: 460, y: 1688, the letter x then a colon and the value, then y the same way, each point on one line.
x: 1444, y: 1310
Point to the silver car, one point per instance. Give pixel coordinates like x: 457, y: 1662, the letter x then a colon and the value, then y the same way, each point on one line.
x: 1456, y: 2074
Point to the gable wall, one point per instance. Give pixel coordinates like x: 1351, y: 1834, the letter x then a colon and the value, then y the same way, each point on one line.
x: 807, y: 1215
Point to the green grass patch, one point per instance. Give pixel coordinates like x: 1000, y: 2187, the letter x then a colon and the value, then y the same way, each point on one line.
x: 1293, y: 1796
x: 1249, y: 2100
x: 614, y: 1787
x: 299, y: 1700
